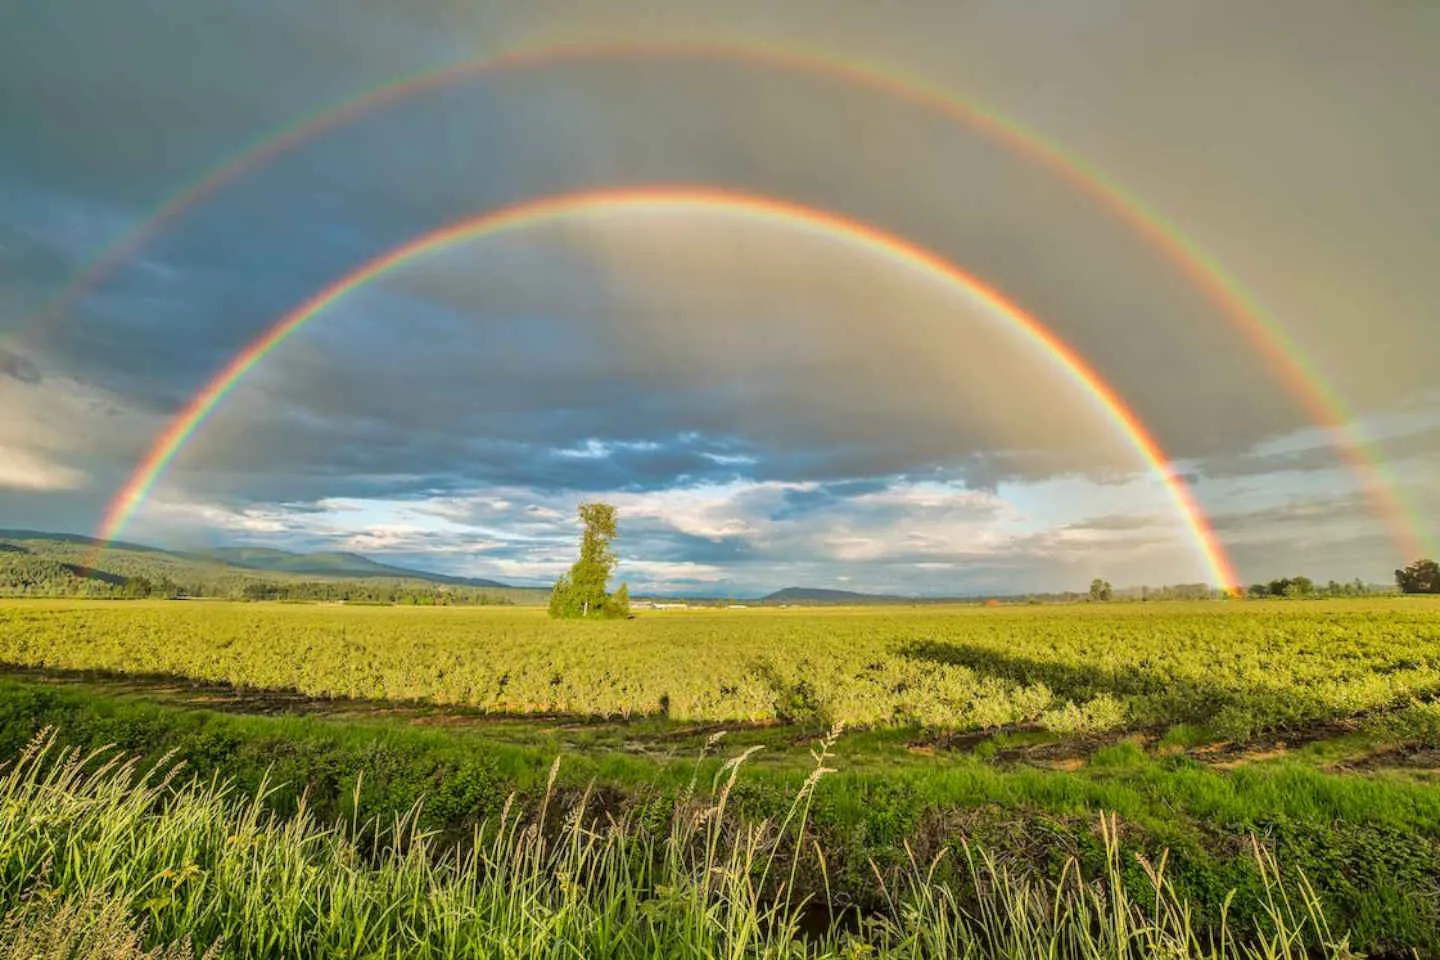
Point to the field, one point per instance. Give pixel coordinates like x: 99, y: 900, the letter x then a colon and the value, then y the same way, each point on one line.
x: 1304, y: 733
x: 1240, y: 668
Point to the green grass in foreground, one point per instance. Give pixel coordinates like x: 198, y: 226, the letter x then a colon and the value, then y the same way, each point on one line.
x: 99, y: 859
x: 1370, y: 845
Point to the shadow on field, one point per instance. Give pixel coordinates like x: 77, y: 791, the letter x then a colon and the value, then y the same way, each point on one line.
x: 224, y: 697
x: 1153, y: 698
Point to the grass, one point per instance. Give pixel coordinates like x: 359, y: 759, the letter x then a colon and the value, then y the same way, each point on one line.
x: 981, y: 742
x: 96, y: 855
x: 1369, y: 844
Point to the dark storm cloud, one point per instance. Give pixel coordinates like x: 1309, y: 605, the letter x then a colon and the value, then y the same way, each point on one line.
x: 1420, y: 443
x: 1307, y: 514
x: 657, y: 542
x: 16, y: 367
x: 282, y: 232
x: 1323, y: 558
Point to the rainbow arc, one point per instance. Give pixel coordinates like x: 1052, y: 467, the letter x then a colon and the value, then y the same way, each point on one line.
x: 1261, y: 331
x: 760, y: 208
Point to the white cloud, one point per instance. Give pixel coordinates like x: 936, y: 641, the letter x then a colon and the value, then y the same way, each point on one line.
x: 27, y: 470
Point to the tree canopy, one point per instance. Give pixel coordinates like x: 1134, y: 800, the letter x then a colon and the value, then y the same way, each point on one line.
x: 581, y: 592
x: 1422, y: 576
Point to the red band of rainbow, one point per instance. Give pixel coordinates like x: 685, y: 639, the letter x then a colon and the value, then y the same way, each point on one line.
x: 184, y: 425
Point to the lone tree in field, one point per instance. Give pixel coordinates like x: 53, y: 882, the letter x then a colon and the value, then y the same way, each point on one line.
x: 1100, y: 590
x: 1422, y: 576
x: 581, y: 592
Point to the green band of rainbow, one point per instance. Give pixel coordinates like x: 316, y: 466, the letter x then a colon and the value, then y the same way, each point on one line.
x: 1299, y: 375
x: 150, y: 469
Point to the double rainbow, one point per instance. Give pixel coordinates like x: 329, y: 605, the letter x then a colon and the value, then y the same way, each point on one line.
x: 1241, y: 309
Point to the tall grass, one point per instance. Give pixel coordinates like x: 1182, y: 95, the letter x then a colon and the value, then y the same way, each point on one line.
x: 100, y: 860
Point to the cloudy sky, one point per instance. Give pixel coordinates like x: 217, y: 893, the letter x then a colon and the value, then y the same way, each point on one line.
x: 767, y: 404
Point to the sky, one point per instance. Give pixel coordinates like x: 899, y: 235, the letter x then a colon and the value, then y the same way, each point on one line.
x: 768, y: 404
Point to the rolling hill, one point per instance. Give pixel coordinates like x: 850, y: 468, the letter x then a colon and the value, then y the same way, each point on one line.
x: 38, y: 563
x: 342, y: 565
x: 816, y: 596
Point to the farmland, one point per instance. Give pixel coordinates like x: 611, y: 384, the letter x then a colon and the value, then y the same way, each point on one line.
x: 1240, y: 668
x: 1310, y: 726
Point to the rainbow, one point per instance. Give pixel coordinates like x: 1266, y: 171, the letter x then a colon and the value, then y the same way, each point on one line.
x: 1262, y: 332
x: 765, y: 209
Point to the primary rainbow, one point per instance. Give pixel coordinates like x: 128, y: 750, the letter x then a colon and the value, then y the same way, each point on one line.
x: 533, y: 212
x: 1299, y: 375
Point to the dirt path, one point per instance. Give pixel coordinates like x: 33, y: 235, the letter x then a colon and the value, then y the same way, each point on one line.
x: 658, y: 736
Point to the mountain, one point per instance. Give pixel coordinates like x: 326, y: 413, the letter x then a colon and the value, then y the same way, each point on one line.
x: 815, y: 596
x: 37, y: 563
x: 344, y: 565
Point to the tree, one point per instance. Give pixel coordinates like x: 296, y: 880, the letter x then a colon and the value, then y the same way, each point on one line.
x: 581, y: 592
x: 137, y: 587
x: 1422, y: 576
x: 1300, y: 587
x: 1100, y: 590
x: 619, y: 603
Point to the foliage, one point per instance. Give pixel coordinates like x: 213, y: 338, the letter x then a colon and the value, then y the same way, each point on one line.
x: 1422, y: 576
x: 1100, y: 590
x: 581, y: 592
x: 1285, y: 587
x: 192, y: 862
x: 1369, y: 843
x: 47, y: 926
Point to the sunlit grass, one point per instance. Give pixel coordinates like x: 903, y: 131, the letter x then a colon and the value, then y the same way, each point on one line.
x: 94, y: 852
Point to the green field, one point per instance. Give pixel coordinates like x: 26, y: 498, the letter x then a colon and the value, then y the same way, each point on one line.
x: 1310, y: 728
x: 1238, y: 668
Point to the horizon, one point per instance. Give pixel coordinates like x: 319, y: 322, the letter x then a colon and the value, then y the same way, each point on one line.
x: 763, y: 593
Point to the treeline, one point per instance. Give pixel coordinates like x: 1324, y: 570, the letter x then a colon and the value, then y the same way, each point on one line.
x: 1101, y: 591
x: 24, y: 574
x: 29, y: 576
x: 351, y: 591
x: 1301, y: 587
x: 1284, y: 587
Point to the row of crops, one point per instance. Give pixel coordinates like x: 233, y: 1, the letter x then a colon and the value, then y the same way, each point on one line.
x: 1238, y: 667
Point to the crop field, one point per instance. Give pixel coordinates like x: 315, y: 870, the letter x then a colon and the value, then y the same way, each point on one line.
x: 1285, y: 750
x: 1237, y: 668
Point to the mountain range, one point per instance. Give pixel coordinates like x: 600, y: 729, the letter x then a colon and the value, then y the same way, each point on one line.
x: 347, y: 566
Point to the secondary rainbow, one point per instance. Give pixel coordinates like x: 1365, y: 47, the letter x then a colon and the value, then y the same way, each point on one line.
x: 758, y: 207
x: 1299, y: 375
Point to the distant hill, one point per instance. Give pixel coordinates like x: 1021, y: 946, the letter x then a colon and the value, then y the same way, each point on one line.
x: 816, y: 596
x: 41, y: 536
x: 344, y: 565
x: 37, y: 563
